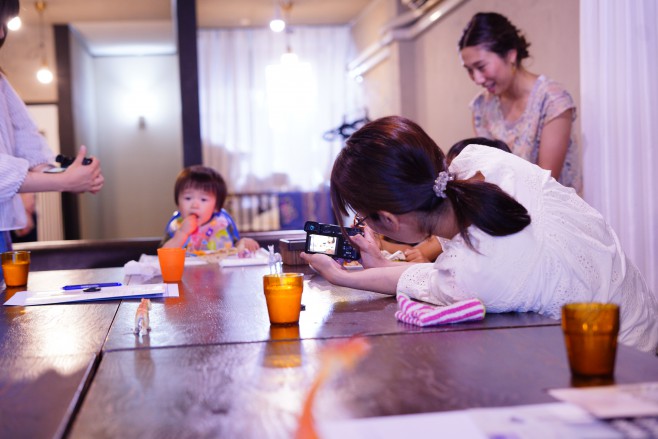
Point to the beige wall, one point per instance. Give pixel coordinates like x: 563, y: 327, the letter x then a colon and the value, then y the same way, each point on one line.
x: 20, y: 58
x: 433, y: 87
x: 381, y: 86
x: 140, y: 164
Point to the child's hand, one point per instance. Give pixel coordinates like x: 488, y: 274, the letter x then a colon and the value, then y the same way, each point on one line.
x: 415, y: 255
x: 248, y: 244
x: 189, y: 225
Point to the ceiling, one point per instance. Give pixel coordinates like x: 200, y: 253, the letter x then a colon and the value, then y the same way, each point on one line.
x: 120, y: 27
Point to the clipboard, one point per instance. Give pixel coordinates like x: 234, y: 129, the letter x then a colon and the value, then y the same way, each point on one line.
x: 29, y: 298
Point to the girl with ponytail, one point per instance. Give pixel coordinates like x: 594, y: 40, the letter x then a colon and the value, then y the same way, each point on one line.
x: 512, y: 236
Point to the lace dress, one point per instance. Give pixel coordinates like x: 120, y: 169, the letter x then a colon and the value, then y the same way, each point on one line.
x: 567, y: 254
x: 547, y: 100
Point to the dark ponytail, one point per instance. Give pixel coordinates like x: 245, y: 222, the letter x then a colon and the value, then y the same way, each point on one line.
x: 487, y: 207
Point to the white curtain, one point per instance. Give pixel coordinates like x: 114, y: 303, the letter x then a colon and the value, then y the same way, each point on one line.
x: 619, y: 92
x: 262, y: 119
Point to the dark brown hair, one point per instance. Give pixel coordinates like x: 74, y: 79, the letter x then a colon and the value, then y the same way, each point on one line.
x: 496, y: 33
x: 8, y: 10
x: 390, y: 165
x: 459, y: 146
x: 202, y: 178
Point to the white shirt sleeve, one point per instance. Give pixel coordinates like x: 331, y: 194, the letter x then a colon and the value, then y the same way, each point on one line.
x: 21, y: 148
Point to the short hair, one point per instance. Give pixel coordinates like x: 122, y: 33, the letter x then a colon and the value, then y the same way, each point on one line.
x: 459, y: 146
x: 202, y: 178
x: 495, y: 33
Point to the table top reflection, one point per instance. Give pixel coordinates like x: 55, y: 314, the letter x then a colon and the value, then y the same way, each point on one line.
x: 256, y: 390
x: 41, y: 394
x: 212, y: 366
x: 63, y: 329
x: 49, y: 352
x: 227, y: 305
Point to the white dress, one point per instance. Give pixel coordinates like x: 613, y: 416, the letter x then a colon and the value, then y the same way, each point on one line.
x: 568, y: 253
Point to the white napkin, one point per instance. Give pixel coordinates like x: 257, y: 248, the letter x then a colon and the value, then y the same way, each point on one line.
x: 147, y: 268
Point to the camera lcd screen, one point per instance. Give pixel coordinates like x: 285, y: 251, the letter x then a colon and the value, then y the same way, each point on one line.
x: 322, y: 244
x: 328, y: 239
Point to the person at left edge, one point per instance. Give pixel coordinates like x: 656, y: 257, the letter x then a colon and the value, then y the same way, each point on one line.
x: 24, y: 154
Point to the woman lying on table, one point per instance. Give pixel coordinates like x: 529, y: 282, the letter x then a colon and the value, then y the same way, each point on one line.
x: 512, y: 236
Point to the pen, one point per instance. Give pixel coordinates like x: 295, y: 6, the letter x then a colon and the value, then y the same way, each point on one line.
x: 85, y: 286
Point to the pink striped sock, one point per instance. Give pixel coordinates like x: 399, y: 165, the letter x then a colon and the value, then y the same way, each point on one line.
x: 412, y: 307
x: 420, y: 314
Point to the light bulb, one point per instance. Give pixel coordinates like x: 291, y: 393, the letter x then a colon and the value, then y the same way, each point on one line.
x: 14, y: 24
x: 277, y: 25
x: 44, y: 75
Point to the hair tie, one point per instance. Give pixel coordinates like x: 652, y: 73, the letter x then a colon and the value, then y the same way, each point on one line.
x: 441, y: 183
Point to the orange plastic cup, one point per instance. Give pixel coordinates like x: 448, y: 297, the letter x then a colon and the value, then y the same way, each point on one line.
x: 172, y: 264
x: 15, y: 267
x: 590, y: 335
x: 283, y: 294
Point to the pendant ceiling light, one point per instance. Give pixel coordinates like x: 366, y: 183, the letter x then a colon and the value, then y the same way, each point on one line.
x: 281, y: 11
x: 44, y: 74
x: 277, y: 24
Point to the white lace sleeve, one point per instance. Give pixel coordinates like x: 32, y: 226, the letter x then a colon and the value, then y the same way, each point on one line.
x: 424, y: 281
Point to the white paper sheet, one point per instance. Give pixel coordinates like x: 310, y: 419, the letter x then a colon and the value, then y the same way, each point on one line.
x: 148, y: 262
x: 28, y: 298
x: 556, y: 420
x: 153, y: 261
x: 535, y: 421
x: 618, y: 401
x: 444, y: 425
x: 260, y: 257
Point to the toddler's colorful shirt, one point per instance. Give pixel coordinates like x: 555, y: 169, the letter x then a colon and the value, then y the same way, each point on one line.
x: 221, y: 232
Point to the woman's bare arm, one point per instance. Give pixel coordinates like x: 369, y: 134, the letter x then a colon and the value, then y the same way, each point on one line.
x: 380, y: 280
x: 554, y: 143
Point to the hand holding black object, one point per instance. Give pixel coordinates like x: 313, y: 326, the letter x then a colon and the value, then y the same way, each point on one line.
x: 66, y: 161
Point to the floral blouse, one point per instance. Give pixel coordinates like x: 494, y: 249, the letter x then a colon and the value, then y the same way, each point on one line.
x: 547, y: 100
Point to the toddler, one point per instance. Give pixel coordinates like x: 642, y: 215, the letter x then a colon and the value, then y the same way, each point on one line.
x: 200, y: 222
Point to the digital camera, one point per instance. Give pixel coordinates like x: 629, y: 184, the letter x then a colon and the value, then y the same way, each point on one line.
x: 328, y: 239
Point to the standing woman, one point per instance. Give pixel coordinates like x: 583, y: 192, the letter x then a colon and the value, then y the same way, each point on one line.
x: 531, y: 113
x: 24, y: 154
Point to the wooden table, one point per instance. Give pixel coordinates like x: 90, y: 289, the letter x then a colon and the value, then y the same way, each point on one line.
x: 228, y: 306
x: 211, y: 366
x: 49, y: 353
x: 236, y: 390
